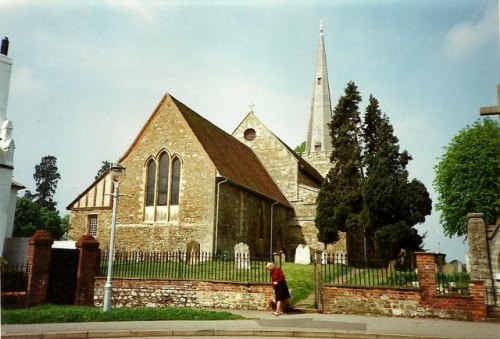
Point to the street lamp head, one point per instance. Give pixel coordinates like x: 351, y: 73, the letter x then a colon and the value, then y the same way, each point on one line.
x: 117, y: 172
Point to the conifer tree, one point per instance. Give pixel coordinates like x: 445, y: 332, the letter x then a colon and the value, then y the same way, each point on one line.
x: 391, y: 204
x: 339, y: 202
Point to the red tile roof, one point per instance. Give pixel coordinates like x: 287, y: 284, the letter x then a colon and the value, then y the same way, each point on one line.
x: 234, y: 160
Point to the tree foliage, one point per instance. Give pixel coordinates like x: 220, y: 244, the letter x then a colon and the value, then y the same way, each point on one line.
x: 106, y: 165
x: 467, y: 177
x: 339, y: 202
x: 300, y: 149
x: 392, y: 204
x: 31, y: 217
x: 46, y: 178
x: 367, y: 192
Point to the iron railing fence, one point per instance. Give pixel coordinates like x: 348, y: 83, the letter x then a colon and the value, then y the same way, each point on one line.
x: 492, y: 296
x: 14, y: 278
x: 181, y: 265
x: 454, y: 283
x: 338, y: 269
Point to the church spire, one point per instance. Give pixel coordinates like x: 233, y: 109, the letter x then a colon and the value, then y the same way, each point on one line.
x: 318, y: 134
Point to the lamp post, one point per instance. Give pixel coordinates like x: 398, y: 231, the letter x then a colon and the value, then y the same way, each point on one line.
x: 117, y: 174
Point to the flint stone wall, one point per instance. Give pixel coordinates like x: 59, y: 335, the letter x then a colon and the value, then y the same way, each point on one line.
x: 183, y: 293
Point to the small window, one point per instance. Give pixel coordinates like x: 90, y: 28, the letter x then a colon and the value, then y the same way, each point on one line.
x: 92, y: 225
x: 249, y: 134
x: 317, y: 146
x: 319, y: 81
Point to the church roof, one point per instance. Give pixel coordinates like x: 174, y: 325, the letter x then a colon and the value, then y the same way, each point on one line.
x: 304, y: 165
x: 233, y: 160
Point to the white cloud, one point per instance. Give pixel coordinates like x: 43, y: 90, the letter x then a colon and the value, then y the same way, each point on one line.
x: 139, y: 8
x: 465, y: 38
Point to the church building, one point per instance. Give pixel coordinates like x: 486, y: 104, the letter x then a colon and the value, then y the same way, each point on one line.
x: 189, y: 182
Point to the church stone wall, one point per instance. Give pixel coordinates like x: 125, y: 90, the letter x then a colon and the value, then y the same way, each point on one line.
x: 281, y: 165
x: 246, y: 217
x: 320, y: 161
x: 167, y: 130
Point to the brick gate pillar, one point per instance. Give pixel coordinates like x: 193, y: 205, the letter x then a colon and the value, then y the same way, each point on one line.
x: 426, y: 265
x: 39, y: 249
x: 88, y: 268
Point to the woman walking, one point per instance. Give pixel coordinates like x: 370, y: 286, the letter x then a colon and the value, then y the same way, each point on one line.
x: 281, y: 291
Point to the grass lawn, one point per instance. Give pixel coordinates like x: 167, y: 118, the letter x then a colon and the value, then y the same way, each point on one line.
x: 299, y: 278
x: 76, y: 314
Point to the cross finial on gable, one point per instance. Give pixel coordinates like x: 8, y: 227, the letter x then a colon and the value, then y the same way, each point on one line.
x: 251, y: 107
x: 492, y: 110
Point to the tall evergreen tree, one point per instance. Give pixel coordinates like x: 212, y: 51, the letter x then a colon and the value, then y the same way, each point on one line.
x: 339, y: 202
x: 391, y: 204
x: 46, y: 177
x: 367, y: 192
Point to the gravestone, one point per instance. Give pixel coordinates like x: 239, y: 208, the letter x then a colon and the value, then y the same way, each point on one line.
x: 340, y: 257
x: 242, y: 256
x: 193, y: 252
x: 324, y: 258
x: 302, y: 255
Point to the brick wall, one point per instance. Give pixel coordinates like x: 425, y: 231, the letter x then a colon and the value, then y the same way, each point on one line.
x: 182, y: 293
x: 406, y: 302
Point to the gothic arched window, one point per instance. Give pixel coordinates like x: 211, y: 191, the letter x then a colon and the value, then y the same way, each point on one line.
x: 176, y: 177
x: 162, y: 191
x: 163, y: 179
x: 151, y: 183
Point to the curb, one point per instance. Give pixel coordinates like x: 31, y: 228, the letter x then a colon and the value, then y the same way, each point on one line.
x: 210, y: 333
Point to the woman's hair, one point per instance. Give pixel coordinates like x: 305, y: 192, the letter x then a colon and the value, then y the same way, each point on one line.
x: 270, y: 266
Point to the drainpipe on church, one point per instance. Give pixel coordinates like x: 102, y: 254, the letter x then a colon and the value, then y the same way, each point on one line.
x: 271, y: 238
x: 217, y: 214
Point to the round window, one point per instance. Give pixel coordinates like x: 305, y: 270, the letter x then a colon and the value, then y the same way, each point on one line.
x: 249, y: 134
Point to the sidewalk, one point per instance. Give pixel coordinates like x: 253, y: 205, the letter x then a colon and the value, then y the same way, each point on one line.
x: 265, y: 325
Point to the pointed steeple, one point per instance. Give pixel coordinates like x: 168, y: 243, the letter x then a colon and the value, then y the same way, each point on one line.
x: 318, y: 134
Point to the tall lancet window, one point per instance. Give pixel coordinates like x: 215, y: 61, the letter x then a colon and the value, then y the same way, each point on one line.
x: 150, y: 190
x: 163, y: 174
x: 163, y: 179
x: 175, y: 188
x: 162, y: 188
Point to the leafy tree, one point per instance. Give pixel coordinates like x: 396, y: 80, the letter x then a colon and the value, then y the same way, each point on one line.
x: 300, y: 149
x: 106, y: 165
x: 467, y: 177
x: 30, y: 217
x: 46, y: 177
x: 391, y: 204
x: 27, y: 218
x: 339, y: 202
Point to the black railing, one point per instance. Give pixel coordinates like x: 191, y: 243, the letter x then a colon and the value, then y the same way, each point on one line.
x: 180, y: 265
x: 14, y: 278
x: 337, y: 269
x: 454, y: 283
x: 492, y: 296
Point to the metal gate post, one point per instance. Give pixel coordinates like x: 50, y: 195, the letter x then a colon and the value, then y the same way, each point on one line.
x: 318, y: 281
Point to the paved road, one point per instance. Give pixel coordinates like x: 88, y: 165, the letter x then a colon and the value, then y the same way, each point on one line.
x: 265, y: 325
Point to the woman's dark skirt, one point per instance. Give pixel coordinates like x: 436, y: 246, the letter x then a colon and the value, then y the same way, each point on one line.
x: 281, y: 291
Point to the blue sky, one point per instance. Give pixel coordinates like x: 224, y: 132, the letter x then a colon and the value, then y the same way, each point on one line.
x: 88, y: 74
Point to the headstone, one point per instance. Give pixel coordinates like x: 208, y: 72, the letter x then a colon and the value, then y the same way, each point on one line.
x: 302, y: 255
x: 324, y: 258
x: 340, y: 258
x: 242, y: 256
x: 193, y: 252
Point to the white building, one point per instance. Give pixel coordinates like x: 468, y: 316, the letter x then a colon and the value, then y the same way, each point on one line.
x: 8, y: 187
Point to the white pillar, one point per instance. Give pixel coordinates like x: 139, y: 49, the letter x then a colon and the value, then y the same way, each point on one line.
x: 6, y: 144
